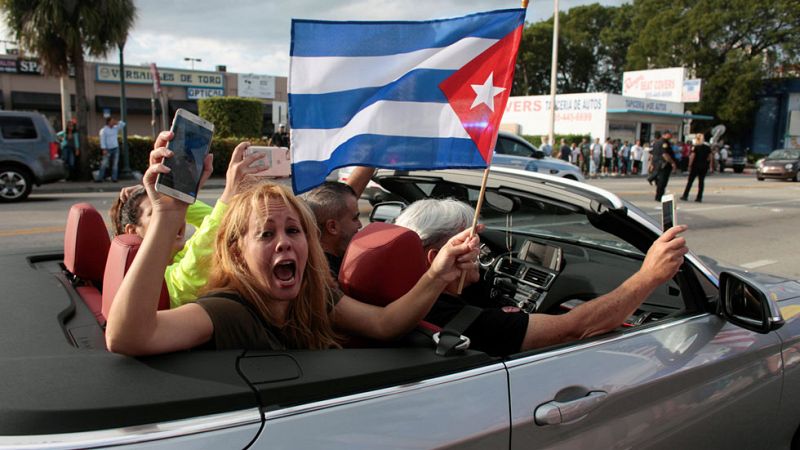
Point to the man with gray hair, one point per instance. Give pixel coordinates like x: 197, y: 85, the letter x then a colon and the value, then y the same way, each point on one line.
x: 335, y: 206
x: 506, y: 330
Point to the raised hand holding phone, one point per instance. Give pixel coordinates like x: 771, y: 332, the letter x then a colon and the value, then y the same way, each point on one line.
x: 668, y: 217
x: 190, y: 144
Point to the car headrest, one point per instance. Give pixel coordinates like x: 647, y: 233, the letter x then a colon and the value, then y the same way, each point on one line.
x: 86, y: 243
x: 382, y: 262
x: 120, y: 256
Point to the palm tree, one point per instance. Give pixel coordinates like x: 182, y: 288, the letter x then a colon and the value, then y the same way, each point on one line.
x: 61, y: 32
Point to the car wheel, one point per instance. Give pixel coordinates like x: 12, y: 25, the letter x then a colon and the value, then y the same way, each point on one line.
x: 15, y: 184
x: 796, y: 176
x: 760, y: 178
x: 738, y: 169
x: 571, y: 177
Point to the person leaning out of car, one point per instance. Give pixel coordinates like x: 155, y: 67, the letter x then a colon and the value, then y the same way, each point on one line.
x: 270, y: 287
x: 500, y: 331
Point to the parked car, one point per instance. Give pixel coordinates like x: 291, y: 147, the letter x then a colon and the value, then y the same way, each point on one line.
x: 738, y: 158
x: 515, y: 152
x: 782, y: 163
x: 29, y: 154
x: 711, y: 359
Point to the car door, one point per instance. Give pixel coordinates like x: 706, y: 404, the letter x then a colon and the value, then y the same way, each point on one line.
x: 694, y: 381
x: 379, y: 398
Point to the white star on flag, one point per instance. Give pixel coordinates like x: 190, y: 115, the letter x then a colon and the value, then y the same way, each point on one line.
x: 486, y: 92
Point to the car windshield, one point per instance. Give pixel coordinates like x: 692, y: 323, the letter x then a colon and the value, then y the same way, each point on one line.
x: 534, y: 215
x: 785, y: 153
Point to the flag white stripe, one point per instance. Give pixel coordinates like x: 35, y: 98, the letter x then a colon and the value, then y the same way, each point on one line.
x: 314, y: 75
x: 412, y: 119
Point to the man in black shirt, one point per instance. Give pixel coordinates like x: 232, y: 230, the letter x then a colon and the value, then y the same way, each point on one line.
x: 662, y: 162
x: 281, y: 137
x: 699, y: 162
x: 335, y: 206
x: 503, y: 330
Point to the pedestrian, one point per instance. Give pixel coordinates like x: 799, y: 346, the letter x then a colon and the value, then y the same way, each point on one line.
x: 109, y: 147
x: 596, y: 151
x: 716, y: 167
x: 586, y: 155
x: 636, y: 157
x: 624, y: 156
x: 281, y: 137
x: 646, y: 158
x: 686, y: 151
x: 662, y: 164
x: 608, y: 157
x: 564, y: 151
x: 575, y: 154
x: 546, y: 148
x: 699, y: 162
x: 723, y: 157
x: 70, y: 147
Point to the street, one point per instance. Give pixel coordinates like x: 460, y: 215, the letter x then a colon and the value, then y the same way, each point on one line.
x: 741, y: 221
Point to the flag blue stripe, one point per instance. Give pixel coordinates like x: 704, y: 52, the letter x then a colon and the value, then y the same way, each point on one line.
x: 334, y: 110
x: 393, y: 152
x: 324, y: 38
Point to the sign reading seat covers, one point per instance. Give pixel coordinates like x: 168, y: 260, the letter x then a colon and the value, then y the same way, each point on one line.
x: 399, y: 95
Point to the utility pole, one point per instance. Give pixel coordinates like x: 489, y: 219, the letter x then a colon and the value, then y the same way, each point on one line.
x: 125, y: 173
x: 553, y: 77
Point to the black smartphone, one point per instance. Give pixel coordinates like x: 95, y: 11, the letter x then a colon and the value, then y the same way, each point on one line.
x: 668, y: 218
x: 190, y: 145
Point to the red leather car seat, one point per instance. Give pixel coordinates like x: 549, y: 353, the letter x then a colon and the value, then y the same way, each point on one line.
x: 120, y: 256
x: 383, y: 262
x: 86, y: 244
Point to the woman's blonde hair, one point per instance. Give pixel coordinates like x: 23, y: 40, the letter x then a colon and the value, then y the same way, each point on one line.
x: 308, y: 318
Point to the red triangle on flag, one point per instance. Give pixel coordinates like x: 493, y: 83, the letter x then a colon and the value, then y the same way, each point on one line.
x: 478, y: 92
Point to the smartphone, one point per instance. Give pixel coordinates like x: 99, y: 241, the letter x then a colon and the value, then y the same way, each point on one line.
x: 668, y: 217
x: 277, y: 161
x: 190, y: 145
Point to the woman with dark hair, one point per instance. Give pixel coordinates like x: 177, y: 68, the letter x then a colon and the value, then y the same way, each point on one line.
x: 70, y: 147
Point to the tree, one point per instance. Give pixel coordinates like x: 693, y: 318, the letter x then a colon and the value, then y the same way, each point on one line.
x: 731, y: 44
x: 593, y: 41
x: 61, y: 32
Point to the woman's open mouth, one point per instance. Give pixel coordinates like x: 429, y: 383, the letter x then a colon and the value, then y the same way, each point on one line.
x: 284, y: 271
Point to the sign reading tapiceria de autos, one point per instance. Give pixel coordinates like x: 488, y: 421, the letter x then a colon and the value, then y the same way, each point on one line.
x: 109, y: 73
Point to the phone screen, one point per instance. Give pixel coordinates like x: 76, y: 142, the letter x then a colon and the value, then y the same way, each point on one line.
x: 667, y: 214
x: 190, y: 146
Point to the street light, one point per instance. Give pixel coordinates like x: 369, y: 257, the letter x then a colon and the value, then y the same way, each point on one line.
x: 125, y: 173
x: 193, y: 60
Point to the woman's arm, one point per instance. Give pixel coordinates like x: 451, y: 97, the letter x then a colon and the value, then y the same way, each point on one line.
x: 134, y: 325
x: 400, y: 317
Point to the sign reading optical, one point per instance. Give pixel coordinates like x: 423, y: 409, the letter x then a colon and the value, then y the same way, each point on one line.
x: 195, y: 93
x: 108, y: 73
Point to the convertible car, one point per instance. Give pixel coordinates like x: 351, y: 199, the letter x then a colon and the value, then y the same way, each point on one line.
x: 710, y: 360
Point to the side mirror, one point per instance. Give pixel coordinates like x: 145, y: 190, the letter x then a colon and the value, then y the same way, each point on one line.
x: 747, y: 305
x: 501, y: 203
x: 538, y: 154
x: 386, y: 211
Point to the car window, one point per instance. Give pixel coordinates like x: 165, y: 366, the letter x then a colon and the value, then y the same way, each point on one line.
x: 536, y: 216
x: 17, y: 128
x: 511, y: 147
x: 785, y: 154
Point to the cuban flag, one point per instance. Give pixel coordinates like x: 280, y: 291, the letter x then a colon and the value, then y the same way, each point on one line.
x: 399, y: 95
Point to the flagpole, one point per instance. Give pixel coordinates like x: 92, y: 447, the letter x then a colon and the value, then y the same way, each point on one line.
x: 480, y: 198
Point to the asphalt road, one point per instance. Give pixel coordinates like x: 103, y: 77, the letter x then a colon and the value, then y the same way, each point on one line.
x: 741, y: 221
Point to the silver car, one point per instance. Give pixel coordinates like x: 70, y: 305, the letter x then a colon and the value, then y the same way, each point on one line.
x: 711, y: 359
x: 515, y: 152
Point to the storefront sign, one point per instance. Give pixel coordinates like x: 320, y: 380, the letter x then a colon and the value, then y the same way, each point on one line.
x: 258, y: 86
x: 193, y: 93
x: 108, y: 73
x: 29, y: 66
x: 662, y: 84
x: 8, y: 65
x: 691, y: 90
x: 575, y: 114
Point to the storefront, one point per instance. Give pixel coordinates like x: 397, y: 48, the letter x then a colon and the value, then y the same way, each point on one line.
x: 599, y: 115
x: 24, y: 87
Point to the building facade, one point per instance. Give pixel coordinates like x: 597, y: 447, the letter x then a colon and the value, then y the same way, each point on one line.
x: 24, y: 87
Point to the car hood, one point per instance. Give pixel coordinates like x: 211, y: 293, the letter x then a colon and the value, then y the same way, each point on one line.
x: 778, y: 162
x: 778, y: 288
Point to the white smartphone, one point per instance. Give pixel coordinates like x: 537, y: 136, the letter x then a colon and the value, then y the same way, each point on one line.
x: 668, y: 217
x: 277, y: 161
x: 190, y: 145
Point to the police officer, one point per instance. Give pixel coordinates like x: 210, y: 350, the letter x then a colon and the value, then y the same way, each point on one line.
x: 662, y: 163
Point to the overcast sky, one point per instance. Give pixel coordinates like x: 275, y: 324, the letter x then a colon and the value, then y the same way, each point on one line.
x: 252, y: 36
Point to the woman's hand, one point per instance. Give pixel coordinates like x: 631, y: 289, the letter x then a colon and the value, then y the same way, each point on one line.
x: 238, y: 169
x: 161, y: 202
x: 459, y: 254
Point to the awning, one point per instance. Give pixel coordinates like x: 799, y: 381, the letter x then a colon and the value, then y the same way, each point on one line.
x: 36, y: 101
x: 133, y: 105
x: 189, y: 105
x: 660, y: 114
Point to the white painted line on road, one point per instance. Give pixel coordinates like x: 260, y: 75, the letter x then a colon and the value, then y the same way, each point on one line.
x: 759, y: 263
